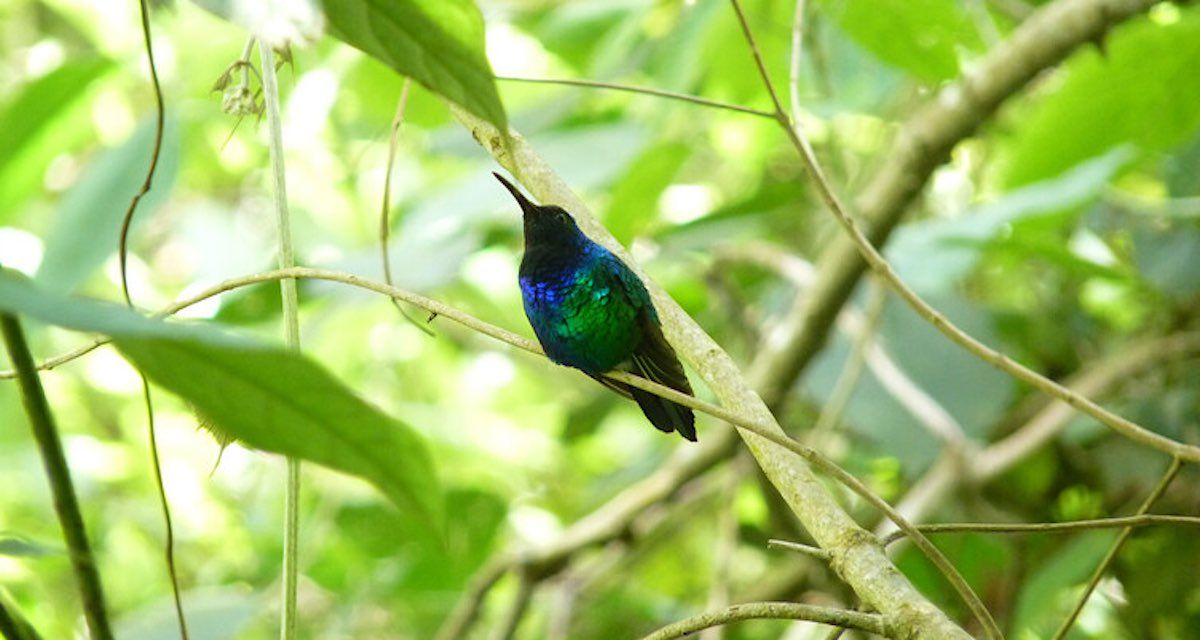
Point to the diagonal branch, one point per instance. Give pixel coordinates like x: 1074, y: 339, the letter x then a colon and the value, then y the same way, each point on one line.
x: 925, y: 141
x: 864, y: 245
x: 860, y: 561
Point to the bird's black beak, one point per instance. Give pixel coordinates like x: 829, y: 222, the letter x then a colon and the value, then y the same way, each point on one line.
x: 526, y: 205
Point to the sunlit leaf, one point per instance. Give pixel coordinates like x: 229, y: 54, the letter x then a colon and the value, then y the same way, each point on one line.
x: 934, y: 255
x: 267, y: 397
x: 35, y: 113
x: 87, y: 226
x: 439, y: 43
x: 1143, y: 90
x: 923, y: 37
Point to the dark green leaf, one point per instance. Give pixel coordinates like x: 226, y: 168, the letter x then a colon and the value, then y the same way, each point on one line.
x: 87, y: 227
x: 266, y: 397
x: 439, y: 43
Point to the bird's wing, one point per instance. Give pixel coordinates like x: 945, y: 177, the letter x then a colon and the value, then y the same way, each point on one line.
x: 654, y: 359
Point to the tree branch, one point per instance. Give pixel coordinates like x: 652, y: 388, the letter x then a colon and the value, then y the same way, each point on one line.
x: 864, y: 245
x: 1043, y: 426
x: 860, y: 561
x: 869, y: 622
x: 925, y: 141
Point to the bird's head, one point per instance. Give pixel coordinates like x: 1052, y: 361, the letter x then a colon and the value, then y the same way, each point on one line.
x: 543, y: 224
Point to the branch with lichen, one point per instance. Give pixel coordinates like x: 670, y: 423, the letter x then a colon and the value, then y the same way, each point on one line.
x: 861, y: 563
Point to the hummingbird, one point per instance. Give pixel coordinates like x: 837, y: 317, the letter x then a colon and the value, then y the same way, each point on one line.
x: 590, y: 311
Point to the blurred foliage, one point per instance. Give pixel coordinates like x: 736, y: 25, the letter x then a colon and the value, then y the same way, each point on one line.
x: 1066, y: 229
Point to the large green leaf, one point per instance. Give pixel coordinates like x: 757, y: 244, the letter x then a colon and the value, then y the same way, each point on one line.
x: 34, y: 114
x: 922, y: 37
x: 265, y: 396
x: 1144, y: 90
x: 88, y: 224
x: 933, y: 256
x: 439, y: 43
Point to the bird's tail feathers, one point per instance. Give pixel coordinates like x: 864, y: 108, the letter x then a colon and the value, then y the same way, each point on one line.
x: 661, y: 366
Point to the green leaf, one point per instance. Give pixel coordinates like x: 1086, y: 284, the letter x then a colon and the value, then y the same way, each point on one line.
x: 1156, y: 107
x: 1046, y: 594
x: 212, y: 614
x: 37, y: 113
x: 87, y: 227
x: 922, y: 37
x: 17, y: 546
x: 439, y: 43
x: 265, y: 396
x: 932, y: 256
x: 1168, y: 258
x: 635, y: 195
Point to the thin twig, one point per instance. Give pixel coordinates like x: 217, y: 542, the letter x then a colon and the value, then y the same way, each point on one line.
x: 928, y: 412
x: 761, y: 430
x: 1139, y: 520
x: 147, y: 397
x: 869, y: 622
x: 385, y: 208
x: 847, y: 381
x: 984, y: 466
x: 922, y: 143
x: 816, y: 553
x: 291, y: 333
x: 160, y: 117
x: 592, y: 84
x: 814, y: 168
x: 797, y: 55
x: 1115, y: 548
x: 463, y: 615
x: 66, y: 504
x: 516, y: 611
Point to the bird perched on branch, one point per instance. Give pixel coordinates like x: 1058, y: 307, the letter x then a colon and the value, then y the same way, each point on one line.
x: 590, y: 311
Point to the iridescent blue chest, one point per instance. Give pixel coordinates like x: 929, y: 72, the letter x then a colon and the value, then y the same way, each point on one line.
x: 586, y: 307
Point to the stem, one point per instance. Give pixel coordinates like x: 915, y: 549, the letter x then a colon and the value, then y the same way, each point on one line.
x: 122, y: 254
x: 386, y: 206
x: 670, y: 95
x: 66, y: 505
x: 13, y: 625
x: 291, y: 334
x: 507, y: 628
x: 1113, y: 550
x: 872, y: 623
x: 1140, y: 520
